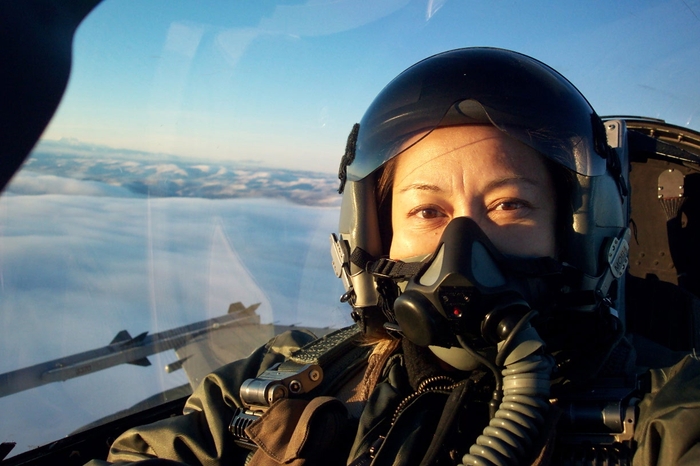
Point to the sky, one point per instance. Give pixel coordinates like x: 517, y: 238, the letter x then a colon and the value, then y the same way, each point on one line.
x: 283, y: 82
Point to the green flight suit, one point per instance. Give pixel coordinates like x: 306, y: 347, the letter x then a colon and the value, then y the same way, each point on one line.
x: 667, y: 433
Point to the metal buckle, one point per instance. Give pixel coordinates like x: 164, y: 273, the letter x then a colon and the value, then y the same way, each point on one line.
x: 278, y: 382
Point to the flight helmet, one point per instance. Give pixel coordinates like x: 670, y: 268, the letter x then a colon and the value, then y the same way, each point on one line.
x: 526, y: 100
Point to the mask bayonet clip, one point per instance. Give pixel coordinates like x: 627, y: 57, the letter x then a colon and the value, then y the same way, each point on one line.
x: 617, y: 259
x: 340, y: 259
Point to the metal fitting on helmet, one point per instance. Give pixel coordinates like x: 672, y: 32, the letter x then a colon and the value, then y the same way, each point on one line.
x: 526, y: 100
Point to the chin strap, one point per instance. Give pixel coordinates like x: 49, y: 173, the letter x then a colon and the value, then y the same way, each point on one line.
x: 383, y: 273
x: 378, y: 268
x: 384, y: 267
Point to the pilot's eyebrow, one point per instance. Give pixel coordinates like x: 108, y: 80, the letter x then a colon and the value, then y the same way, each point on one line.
x: 491, y: 185
x: 497, y: 183
x: 420, y: 187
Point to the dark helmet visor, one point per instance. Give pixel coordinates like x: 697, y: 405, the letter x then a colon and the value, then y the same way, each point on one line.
x: 521, y: 96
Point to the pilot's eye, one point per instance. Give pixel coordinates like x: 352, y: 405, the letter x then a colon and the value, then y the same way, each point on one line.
x: 510, y: 205
x: 428, y: 213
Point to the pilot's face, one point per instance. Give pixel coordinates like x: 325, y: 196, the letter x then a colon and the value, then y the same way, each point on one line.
x: 476, y: 172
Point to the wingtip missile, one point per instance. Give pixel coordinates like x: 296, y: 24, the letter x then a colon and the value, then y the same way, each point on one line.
x: 124, y: 338
x: 143, y: 362
x: 138, y: 338
x: 123, y: 349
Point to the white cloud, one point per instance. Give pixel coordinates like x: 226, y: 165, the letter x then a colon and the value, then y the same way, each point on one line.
x: 27, y: 182
x: 114, y: 263
x: 167, y: 168
x: 202, y: 168
x: 75, y: 270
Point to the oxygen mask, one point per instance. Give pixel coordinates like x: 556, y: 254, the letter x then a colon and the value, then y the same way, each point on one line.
x: 471, y: 305
x: 468, y: 291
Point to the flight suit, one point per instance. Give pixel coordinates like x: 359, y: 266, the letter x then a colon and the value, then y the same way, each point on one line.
x: 397, y: 425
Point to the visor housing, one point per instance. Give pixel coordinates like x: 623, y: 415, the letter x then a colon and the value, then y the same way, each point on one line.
x: 521, y: 96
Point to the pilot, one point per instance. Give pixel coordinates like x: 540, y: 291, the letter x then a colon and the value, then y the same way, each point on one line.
x: 483, y: 244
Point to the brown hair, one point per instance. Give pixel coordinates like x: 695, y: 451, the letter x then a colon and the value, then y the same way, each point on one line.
x: 383, y: 195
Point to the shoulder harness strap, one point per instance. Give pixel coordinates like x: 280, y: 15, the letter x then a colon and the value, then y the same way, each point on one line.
x: 339, y: 354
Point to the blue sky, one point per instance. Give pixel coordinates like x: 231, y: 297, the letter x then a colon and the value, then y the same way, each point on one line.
x: 283, y: 82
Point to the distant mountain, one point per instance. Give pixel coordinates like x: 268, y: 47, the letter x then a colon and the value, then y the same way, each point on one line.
x: 156, y: 175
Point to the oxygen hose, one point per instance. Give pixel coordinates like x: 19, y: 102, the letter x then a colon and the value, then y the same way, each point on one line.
x: 516, y: 423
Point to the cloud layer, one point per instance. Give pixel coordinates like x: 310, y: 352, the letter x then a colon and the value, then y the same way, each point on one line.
x: 76, y: 269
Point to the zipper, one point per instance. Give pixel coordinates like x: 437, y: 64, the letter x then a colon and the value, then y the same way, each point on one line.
x: 425, y: 387
x: 437, y: 384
